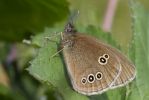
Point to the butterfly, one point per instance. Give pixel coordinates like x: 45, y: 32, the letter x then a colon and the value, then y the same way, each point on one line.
x: 92, y: 65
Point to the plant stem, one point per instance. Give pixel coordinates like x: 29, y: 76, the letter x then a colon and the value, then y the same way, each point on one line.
x: 109, y: 15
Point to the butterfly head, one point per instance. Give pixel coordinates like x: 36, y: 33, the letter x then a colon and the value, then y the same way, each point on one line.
x: 69, y: 28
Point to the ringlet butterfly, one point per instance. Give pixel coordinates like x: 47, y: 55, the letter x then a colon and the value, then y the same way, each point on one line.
x: 93, y: 66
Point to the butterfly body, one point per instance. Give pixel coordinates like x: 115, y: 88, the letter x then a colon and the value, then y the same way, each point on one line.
x: 93, y: 66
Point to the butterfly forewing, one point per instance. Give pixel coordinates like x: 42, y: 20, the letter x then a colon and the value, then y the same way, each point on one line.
x: 91, y: 66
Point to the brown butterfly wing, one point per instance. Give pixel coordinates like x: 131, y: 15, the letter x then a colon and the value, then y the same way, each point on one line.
x: 128, y: 70
x: 81, y: 59
x: 127, y: 73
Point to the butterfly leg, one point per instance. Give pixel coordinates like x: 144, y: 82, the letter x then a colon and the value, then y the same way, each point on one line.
x: 57, y: 53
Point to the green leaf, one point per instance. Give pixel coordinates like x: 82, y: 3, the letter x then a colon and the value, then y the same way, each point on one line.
x: 140, y: 51
x: 133, y: 93
x: 117, y: 94
x: 21, y: 18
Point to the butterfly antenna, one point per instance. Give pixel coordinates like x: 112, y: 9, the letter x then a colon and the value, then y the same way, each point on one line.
x: 74, y: 14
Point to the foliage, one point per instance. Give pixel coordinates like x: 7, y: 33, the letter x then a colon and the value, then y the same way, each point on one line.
x: 52, y: 71
x: 139, y: 51
x: 50, y: 80
x: 20, y: 19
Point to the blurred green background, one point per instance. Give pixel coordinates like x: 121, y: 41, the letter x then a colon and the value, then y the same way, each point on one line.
x: 24, y: 19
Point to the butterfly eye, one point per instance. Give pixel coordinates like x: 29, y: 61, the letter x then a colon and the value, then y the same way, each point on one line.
x: 98, y: 75
x: 102, y: 60
x: 91, y: 78
x: 83, y: 80
x: 106, y: 56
